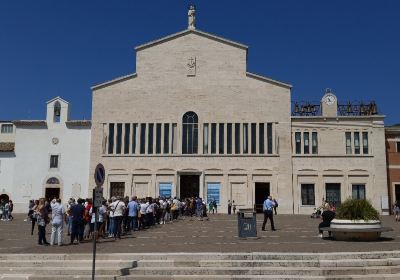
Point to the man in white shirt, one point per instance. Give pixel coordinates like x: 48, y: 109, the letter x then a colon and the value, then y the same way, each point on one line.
x: 57, y: 223
x: 118, y: 209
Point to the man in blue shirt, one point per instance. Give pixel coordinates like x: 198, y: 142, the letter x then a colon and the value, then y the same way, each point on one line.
x: 133, y: 214
x: 268, y: 206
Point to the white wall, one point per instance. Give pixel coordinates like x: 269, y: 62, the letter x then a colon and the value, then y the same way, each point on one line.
x: 7, y: 161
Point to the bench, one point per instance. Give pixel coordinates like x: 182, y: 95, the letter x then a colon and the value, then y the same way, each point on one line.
x: 350, y: 234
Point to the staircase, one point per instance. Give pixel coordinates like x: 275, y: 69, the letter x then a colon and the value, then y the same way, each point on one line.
x: 199, y: 266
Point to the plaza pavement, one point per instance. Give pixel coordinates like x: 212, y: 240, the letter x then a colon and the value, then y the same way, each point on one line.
x: 295, y: 233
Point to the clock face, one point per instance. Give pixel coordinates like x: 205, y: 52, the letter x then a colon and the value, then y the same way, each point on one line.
x: 330, y: 99
x: 54, y: 140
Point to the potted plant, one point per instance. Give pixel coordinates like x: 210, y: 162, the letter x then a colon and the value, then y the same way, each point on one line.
x: 356, y: 219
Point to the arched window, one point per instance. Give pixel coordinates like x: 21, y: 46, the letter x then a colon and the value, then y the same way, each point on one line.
x: 53, y: 181
x: 189, y: 133
x: 57, y: 112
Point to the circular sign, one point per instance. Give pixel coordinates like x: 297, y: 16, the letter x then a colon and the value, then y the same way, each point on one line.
x: 99, y: 175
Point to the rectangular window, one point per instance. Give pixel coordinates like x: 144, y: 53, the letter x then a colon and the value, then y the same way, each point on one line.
x: 119, y: 138
x: 174, y: 138
x: 365, y: 143
x: 142, y: 138
x: 213, y: 192
x: 307, y: 194
x: 150, y: 139
x: 348, y: 143
x: 7, y: 128
x: 357, y: 143
x: 358, y: 191
x: 297, y: 138
x: 269, y: 138
x: 314, y: 140
x: 398, y: 146
x: 205, y: 138
x: 306, y: 136
x: 213, y: 138
x: 166, y: 138
x: 237, y: 138
x: 158, y: 138
x: 111, y: 138
x: 229, y: 138
x: 165, y: 190
x: 253, y: 138
x: 221, y: 138
x: 134, y: 137
x: 245, y: 138
x: 54, y: 161
x: 126, y: 138
x: 261, y: 138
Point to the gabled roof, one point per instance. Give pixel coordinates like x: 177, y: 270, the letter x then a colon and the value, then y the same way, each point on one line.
x: 193, y: 31
x: 57, y: 98
x: 113, y: 81
x: 266, y: 79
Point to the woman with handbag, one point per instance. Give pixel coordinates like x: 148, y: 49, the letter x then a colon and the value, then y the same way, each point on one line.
x: 42, y: 220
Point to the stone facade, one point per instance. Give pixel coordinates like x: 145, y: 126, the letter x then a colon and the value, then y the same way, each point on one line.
x: 196, y: 76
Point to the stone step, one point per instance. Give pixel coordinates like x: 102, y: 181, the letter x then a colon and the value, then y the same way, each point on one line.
x: 53, y: 271
x: 205, y: 256
x: 258, y: 277
x: 69, y: 263
x: 302, y: 271
x: 270, y: 263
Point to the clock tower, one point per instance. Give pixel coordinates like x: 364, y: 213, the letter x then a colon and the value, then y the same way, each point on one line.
x: 329, y: 104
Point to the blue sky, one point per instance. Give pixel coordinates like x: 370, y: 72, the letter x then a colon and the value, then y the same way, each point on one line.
x: 51, y: 48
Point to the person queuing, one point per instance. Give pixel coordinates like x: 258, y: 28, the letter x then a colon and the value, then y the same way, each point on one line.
x: 58, y: 215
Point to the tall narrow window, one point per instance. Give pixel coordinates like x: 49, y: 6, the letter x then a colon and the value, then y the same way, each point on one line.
x: 54, y: 161
x: 306, y: 136
x: 365, y: 143
x: 166, y: 138
x: 134, y: 137
x: 213, y: 138
x: 119, y: 138
x: 158, y: 138
x: 253, y: 138
x: 269, y: 138
x: 261, y: 138
x: 150, y: 139
x: 348, y: 143
x: 357, y: 143
x: 57, y: 112
x: 174, y: 139
x: 358, y: 191
x: 398, y: 146
x: 205, y: 138
x: 7, y: 128
x: 314, y: 143
x: 297, y: 138
x: 221, y: 138
x: 245, y: 138
x: 237, y: 138
x: 229, y: 138
x: 189, y: 133
x: 142, y: 138
x: 126, y: 138
x: 307, y: 194
x: 111, y: 138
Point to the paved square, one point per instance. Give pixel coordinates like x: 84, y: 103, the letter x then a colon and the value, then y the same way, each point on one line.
x: 295, y: 233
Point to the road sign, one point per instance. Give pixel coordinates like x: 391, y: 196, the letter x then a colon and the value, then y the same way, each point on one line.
x: 97, y: 196
x: 99, y: 175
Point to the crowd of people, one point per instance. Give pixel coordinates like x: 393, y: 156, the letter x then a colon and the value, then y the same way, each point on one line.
x: 6, y: 209
x: 116, y: 217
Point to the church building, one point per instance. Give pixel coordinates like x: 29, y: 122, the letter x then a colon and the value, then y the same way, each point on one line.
x: 193, y: 121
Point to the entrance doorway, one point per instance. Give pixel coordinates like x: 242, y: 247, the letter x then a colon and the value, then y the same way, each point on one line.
x: 397, y: 192
x: 262, y: 191
x: 333, y: 194
x: 117, y: 189
x: 189, y: 186
x: 4, y: 198
x: 51, y: 193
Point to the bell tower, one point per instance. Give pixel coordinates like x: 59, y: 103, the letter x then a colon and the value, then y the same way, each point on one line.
x: 329, y: 104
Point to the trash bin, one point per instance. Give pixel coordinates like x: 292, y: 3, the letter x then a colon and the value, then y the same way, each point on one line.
x: 247, y: 223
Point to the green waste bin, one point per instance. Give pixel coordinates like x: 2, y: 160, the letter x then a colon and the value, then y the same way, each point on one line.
x: 247, y: 223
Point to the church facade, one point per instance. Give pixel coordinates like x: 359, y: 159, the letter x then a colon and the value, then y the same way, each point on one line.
x: 193, y: 121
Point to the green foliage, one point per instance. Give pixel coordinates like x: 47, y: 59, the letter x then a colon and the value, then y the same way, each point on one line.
x: 357, y: 209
